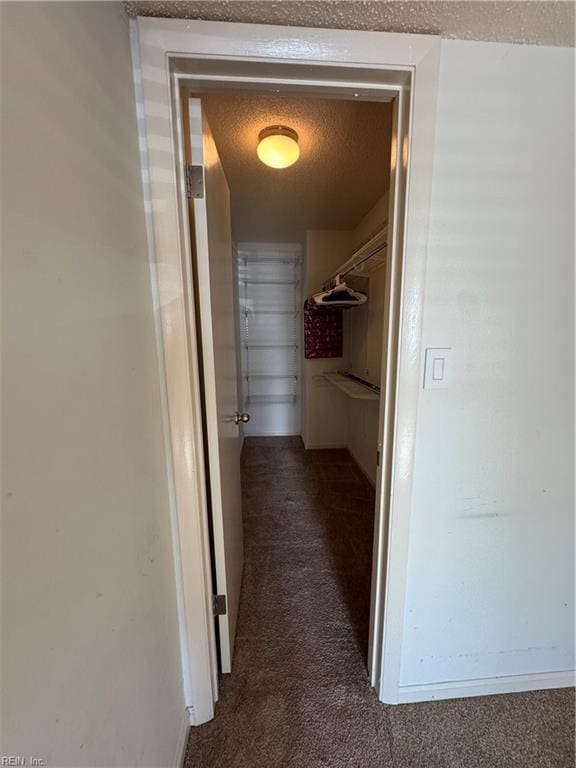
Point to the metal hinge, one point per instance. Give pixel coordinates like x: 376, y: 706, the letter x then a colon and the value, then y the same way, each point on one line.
x: 219, y: 605
x: 377, y: 458
x: 194, y: 181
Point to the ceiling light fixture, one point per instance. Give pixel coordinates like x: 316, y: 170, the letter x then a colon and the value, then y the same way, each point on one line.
x: 278, y: 146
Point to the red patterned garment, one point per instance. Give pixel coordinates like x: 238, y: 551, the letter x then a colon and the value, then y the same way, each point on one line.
x: 322, y: 331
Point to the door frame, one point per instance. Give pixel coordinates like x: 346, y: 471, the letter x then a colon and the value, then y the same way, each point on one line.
x: 164, y: 51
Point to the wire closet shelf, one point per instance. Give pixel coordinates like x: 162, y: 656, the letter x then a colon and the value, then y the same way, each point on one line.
x: 367, y: 259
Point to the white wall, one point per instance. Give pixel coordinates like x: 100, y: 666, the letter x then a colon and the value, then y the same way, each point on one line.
x: 366, y: 323
x: 325, y: 408
x: 363, y: 435
x: 372, y: 222
x: 90, y: 651
x: 365, y: 327
x: 490, y: 580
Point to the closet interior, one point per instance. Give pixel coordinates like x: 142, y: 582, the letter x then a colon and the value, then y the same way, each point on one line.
x: 341, y: 383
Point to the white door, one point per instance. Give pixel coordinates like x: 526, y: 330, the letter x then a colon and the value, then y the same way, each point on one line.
x: 215, y: 275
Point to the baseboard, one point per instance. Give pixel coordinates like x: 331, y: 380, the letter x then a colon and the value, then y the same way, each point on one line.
x: 487, y: 686
x: 324, y: 446
x: 271, y: 434
x: 182, y: 740
x: 341, y: 446
x: 361, y: 467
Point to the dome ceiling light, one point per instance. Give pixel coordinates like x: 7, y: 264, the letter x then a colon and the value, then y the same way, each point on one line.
x: 278, y: 146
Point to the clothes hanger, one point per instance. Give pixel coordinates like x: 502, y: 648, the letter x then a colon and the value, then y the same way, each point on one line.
x: 339, y: 296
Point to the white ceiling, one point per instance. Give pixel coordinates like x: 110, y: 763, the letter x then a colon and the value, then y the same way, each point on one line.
x: 343, y: 167
x: 546, y: 22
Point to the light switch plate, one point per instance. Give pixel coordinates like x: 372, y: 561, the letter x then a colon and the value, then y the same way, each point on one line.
x: 437, y: 367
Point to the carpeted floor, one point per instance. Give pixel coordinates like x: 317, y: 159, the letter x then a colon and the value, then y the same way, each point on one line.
x: 299, y: 695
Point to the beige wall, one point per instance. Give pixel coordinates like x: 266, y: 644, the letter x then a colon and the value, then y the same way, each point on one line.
x: 372, y: 222
x: 366, y: 323
x: 365, y: 329
x: 90, y: 651
x: 325, y: 409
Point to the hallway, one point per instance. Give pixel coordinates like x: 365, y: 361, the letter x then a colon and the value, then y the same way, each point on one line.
x: 299, y: 695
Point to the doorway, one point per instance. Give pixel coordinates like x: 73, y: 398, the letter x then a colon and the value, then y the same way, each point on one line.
x: 300, y: 253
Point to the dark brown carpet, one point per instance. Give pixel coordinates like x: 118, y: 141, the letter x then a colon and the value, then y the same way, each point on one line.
x: 299, y: 695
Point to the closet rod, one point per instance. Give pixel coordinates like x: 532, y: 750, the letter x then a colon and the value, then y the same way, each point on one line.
x: 363, y: 259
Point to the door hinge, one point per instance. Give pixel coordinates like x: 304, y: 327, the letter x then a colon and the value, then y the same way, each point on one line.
x: 377, y: 458
x: 194, y: 181
x: 219, y: 605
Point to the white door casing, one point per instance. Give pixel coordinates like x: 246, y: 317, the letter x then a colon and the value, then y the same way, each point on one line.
x: 164, y: 52
x: 215, y: 290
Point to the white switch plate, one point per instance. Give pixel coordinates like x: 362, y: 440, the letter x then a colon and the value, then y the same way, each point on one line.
x: 437, y: 367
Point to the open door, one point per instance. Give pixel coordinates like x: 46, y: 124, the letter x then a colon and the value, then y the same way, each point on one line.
x: 212, y: 246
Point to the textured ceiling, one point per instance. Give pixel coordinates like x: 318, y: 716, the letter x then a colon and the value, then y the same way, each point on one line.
x: 547, y: 22
x: 343, y: 167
